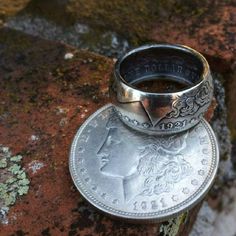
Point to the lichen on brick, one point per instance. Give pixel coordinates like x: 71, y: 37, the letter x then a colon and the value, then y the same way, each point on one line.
x: 171, y: 228
x: 13, y: 181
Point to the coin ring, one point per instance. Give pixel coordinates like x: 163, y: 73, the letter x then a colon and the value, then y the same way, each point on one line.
x: 162, y: 113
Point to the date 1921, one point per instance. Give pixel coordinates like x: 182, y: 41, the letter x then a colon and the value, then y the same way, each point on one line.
x: 149, y: 205
x: 171, y: 125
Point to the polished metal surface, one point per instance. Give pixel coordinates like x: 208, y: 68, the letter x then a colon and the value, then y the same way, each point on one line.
x: 165, y: 112
x: 139, y: 177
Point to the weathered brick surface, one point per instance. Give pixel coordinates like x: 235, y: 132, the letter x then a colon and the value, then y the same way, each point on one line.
x: 44, y: 99
x: 213, y: 33
x: 7, y: 7
x: 46, y: 96
x: 208, y: 26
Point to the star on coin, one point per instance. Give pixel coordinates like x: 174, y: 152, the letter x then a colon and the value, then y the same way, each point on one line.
x: 175, y: 198
x: 204, y: 161
x: 194, y: 182
x: 185, y: 190
x: 201, y: 172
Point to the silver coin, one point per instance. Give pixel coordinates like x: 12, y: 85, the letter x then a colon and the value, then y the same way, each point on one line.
x: 140, y: 177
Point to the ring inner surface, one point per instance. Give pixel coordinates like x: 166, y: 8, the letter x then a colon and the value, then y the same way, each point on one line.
x: 161, y: 69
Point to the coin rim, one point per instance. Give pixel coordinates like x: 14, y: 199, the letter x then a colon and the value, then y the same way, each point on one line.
x: 151, y: 216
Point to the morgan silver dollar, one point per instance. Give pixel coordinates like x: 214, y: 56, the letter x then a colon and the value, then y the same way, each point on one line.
x: 139, y: 177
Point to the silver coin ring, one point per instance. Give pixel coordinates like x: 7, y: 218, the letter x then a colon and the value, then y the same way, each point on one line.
x: 162, y: 112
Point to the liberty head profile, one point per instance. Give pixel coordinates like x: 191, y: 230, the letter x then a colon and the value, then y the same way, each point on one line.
x: 147, y: 165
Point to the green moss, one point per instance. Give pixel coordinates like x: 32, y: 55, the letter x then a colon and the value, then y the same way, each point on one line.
x: 14, y: 181
x: 131, y: 19
x: 183, y: 8
x: 9, y: 7
x: 23, y: 190
x: 10, y: 198
x: 14, y: 169
x: 3, y: 162
x: 15, y: 41
x: 16, y: 158
x: 3, y: 189
x: 11, y: 180
x: 21, y: 175
x: 232, y: 132
x: 173, y: 225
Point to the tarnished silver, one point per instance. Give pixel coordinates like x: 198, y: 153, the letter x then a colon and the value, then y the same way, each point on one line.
x: 162, y: 113
x: 139, y: 177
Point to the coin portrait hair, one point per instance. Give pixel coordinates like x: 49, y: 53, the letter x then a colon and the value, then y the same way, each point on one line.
x: 160, y: 163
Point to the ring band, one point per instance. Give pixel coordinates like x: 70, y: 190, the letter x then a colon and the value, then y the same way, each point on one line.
x: 165, y: 112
